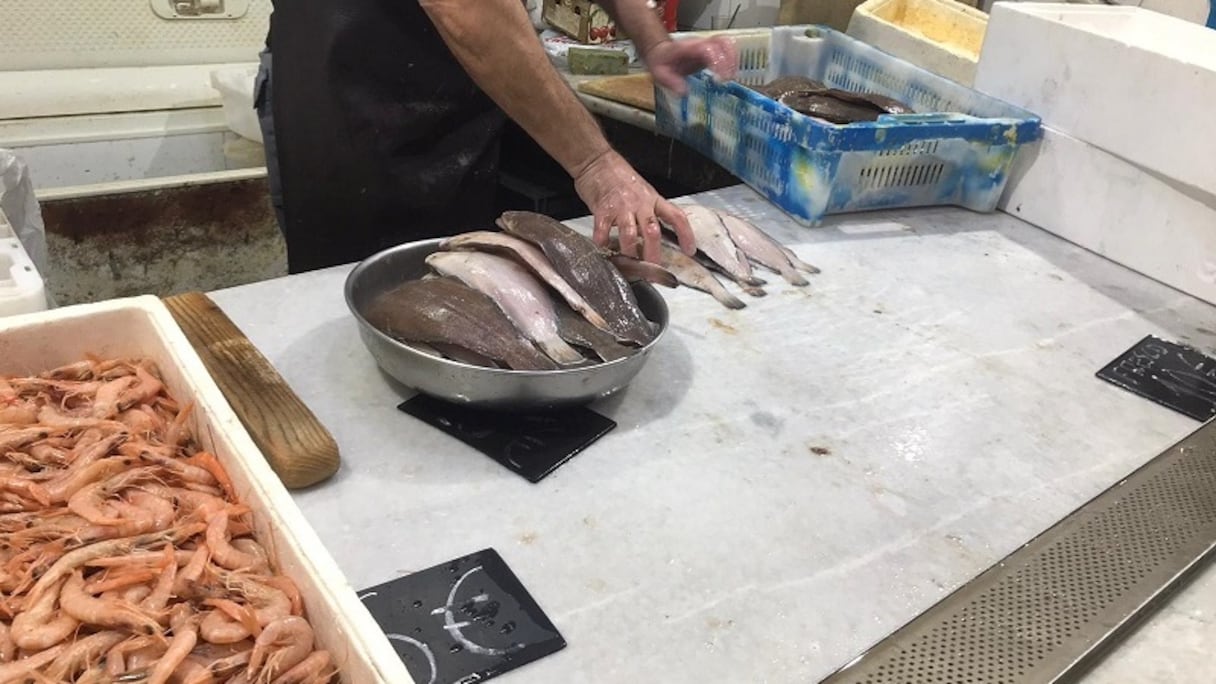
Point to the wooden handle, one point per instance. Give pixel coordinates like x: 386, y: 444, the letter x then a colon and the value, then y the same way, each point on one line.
x: 299, y: 449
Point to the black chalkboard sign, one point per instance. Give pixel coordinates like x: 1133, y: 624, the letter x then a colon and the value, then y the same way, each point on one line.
x: 463, y: 621
x: 1170, y: 374
x: 531, y: 444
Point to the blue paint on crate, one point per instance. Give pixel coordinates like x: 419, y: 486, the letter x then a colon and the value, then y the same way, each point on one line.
x: 810, y: 168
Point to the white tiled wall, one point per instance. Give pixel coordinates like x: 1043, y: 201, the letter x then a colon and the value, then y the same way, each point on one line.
x: 62, y: 34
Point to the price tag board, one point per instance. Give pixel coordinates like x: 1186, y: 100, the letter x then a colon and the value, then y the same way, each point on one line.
x: 1178, y: 377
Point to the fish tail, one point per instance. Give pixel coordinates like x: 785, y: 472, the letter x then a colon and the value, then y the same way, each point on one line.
x: 793, y: 278
x: 728, y: 300
x: 559, y: 351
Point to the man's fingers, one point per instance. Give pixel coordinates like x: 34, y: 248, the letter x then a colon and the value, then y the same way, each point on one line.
x: 671, y: 80
x: 629, y: 234
x: 721, y: 57
x: 652, y: 234
x: 603, y: 228
x: 678, y: 220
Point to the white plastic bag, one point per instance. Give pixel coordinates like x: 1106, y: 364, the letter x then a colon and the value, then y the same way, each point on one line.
x: 20, y: 205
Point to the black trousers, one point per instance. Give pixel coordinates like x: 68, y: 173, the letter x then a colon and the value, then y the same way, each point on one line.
x: 375, y: 134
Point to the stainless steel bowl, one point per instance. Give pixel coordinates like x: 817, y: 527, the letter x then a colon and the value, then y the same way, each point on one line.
x: 474, y: 385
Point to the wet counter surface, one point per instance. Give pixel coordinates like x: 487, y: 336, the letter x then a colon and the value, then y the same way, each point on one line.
x: 790, y: 482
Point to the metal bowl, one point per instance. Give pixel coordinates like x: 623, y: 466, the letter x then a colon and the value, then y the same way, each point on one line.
x: 471, y: 385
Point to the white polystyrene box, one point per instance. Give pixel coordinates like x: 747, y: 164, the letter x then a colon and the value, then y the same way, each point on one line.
x: 1136, y: 83
x: 21, y: 286
x: 143, y: 327
x: 942, y: 36
x: 1119, y: 210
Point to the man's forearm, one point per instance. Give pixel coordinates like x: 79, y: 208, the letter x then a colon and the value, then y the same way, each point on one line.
x: 638, y: 21
x: 496, y: 44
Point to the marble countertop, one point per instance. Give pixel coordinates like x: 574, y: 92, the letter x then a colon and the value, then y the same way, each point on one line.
x: 790, y: 482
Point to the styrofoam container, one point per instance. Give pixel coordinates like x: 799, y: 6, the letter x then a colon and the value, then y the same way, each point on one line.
x: 1136, y: 83
x: 942, y: 36
x: 235, y: 85
x: 143, y: 327
x: 1119, y: 210
x: 22, y: 289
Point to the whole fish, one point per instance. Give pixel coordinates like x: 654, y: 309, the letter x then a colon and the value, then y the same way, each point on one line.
x: 715, y: 243
x: 575, y: 329
x: 520, y: 296
x: 784, y: 84
x: 581, y: 262
x: 636, y: 270
x: 822, y: 105
x: 761, y: 248
x: 533, y: 258
x: 692, y: 273
x: 454, y: 353
x: 445, y: 311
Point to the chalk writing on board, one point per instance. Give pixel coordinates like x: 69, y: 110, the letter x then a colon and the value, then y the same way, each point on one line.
x: 1170, y: 374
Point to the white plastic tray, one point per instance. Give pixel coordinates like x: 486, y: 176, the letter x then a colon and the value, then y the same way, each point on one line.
x: 142, y: 326
x: 21, y: 287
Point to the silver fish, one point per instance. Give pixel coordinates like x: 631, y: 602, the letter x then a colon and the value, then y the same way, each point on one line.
x: 446, y: 311
x: 715, y: 243
x: 585, y: 266
x: 760, y: 248
x: 636, y: 270
x: 531, y: 256
x: 692, y: 273
x: 520, y: 296
x: 577, y: 330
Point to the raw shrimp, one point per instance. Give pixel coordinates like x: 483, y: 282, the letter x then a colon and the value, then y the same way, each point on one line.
x: 222, y: 551
x: 269, y: 603
x: 218, y: 628
x: 125, y: 553
x: 115, y: 614
x: 8, y: 649
x: 41, y: 626
x: 13, y: 671
x: 82, y: 655
x: 282, y: 645
x: 185, y: 634
x: 312, y: 668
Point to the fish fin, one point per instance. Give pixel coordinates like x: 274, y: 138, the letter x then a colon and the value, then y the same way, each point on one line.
x: 799, y: 263
x: 729, y: 300
x: 793, y: 278
x: 754, y: 290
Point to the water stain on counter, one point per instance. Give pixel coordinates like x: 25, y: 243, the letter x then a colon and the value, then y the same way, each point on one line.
x: 723, y: 326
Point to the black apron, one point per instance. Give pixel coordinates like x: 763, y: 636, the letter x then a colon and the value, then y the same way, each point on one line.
x: 382, y: 137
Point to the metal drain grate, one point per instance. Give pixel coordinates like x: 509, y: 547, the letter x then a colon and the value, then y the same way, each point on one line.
x: 1044, y: 612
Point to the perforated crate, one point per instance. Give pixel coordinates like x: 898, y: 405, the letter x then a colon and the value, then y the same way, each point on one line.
x: 957, y: 149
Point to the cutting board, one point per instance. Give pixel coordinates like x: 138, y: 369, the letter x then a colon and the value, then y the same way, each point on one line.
x: 299, y: 449
x: 635, y: 90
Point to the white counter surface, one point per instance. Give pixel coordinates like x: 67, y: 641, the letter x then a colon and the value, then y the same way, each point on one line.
x: 790, y: 482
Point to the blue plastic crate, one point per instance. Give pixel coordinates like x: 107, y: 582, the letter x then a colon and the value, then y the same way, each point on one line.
x: 957, y: 149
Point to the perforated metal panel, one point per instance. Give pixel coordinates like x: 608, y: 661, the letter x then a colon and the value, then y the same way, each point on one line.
x: 1044, y: 612
x: 45, y: 34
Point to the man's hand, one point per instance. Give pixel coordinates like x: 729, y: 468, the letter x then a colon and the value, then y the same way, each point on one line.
x: 620, y: 198
x: 670, y: 61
